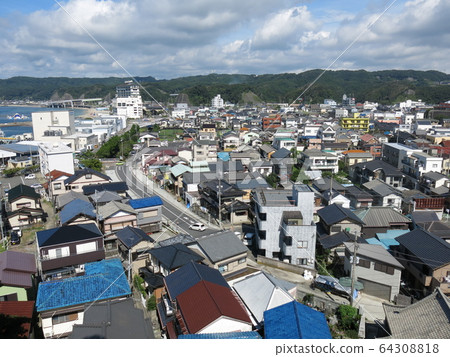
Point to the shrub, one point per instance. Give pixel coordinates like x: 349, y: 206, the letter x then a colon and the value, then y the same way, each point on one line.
x: 151, y: 303
x: 348, y: 317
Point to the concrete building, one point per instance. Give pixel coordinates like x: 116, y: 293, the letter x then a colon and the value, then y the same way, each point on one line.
x: 128, y: 100
x: 217, y: 102
x: 284, y: 225
x: 55, y: 156
x: 394, y: 153
x: 52, y: 126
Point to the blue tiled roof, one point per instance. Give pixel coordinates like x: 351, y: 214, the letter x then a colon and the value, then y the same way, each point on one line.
x: 295, y: 321
x: 189, y: 275
x: 247, y: 335
x: 76, y: 207
x: 146, y: 202
x: 111, y: 186
x: 102, y: 280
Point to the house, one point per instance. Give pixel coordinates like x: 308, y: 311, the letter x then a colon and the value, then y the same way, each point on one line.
x: 434, y: 183
x: 119, y: 187
x: 133, y: 247
x: 327, y: 184
x: 358, y: 198
x: 77, y: 211
x: 261, y: 292
x: 327, y: 133
x: 199, y: 300
x: 313, y: 159
x: 284, y: 224
x: 336, y: 218
x: 284, y: 143
x: 63, y: 303
x: 376, y: 169
x: 17, y: 319
x: 64, y: 251
x: 294, y: 320
x: 244, y: 335
x: 230, y: 141
x: 384, y: 195
x: 64, y: 199
x: 166, y: 259
x: 17, y: 272
x: 417, y: 164
x: 149, y: 213
x: 116, y: 215
x: 376, y: 268
x: 426, y: 258
x: 425, y: 319
x: 204, y: 150
x: 100, y: 198
x: 117, y: 319
x: 352, y: 157
x: 380, y: 220
x: 223, y: 251
x: 85, y: 177
x: 334, y: 197
x: 24, y: 206
x: 55, y: 184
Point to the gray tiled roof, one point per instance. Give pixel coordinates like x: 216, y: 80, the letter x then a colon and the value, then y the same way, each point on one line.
x: 380, y: 216
x: 430, y: 249
x: 335, y: 213
x: 381, y: 188
x: 427, y: 318
x: 222, y: 245
x: 374, y: 252
x: 65, y: 198
x: 113, y: 207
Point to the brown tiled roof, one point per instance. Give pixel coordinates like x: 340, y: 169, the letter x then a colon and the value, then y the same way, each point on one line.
x: 205, y: 302
x: 18, y: 309
x: 16, y: 268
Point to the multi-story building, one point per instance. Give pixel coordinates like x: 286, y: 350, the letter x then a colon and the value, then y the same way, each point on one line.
x: 217, y: 102
x: 358, y: 122
x: 52, y: 126
x: 55, y: 156
x: 272, y: 121
x: 318, y: 160
x: 284, y: 225
x: 394, y: 153
x: 129, y: 101
x: 417, y: 164
x: 204, y: 150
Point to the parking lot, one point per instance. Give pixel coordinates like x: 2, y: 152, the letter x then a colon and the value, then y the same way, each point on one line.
x: 9, y: 182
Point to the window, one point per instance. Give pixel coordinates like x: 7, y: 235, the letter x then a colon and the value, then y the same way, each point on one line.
x: 262, y: 234
x: 302, y: 244
x: 86, y: 247
x: 57, y: 186
x: 287, y: 240
x: 59, y: 252
x: 262, y: 216
x: 223, y: 268
x: 88, y: 176
x: 242, y: 260
x: 384, y: 268
x: 64, y: 318
x: 363, y: 263
x: 302, y: 261
x: 22, y: 205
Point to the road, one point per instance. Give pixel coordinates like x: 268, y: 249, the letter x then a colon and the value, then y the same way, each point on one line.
x: 178, y: 219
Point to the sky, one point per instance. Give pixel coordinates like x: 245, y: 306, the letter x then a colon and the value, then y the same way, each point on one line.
x: 177, y: 38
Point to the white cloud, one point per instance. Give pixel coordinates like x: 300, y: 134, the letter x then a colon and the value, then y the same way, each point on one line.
x: 174, y: 38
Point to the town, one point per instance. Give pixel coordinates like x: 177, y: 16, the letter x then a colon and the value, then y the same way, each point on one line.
x: 274, y: 221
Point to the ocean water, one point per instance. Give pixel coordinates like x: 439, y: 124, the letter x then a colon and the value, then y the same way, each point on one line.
x: 26, y: 111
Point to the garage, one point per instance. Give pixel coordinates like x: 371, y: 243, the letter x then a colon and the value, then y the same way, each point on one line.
x: 376, y: 289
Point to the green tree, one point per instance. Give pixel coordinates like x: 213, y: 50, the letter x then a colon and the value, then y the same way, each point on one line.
x: 348, y: 317
x: 273, y: 180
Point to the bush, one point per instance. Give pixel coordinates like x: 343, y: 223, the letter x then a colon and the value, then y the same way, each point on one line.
x: 151, y: 303
x: 138, y: 283
x: 348, y: 317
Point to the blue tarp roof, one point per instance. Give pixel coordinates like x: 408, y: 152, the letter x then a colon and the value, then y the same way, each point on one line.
x: 102, y: 280
x: 76, y: 207
x: 224, y: 156
x: 247, y: 335
x: 295, y: 321
x: 189, y: 275
x: 146, y: 202
x: 375, y: 241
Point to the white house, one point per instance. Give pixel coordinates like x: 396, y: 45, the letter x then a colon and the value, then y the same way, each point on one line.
x: 55, y: 156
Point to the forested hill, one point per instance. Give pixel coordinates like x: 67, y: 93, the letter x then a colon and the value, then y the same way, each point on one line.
x: 385, y: 87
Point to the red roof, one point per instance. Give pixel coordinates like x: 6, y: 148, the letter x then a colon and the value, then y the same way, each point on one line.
x: 55, y: 174
x: 205, y: 302
x: 18, y: 309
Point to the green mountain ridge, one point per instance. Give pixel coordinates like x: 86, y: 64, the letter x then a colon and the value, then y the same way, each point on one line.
x: 386, y: 87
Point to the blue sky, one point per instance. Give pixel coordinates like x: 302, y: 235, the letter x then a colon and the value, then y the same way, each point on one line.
x: 174, y: 38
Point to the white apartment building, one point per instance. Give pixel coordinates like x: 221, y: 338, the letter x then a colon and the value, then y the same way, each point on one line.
x: 82, y: 141
x: 128, y: 100
x: 217, y: 102
x: 55, y: 156
x: 52, y: 126
x: 284, y: 225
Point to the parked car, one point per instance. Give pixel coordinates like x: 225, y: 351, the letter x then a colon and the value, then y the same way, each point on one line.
x: 18, y: 230
x: 197, y: 227
x: 36, y: 185
x: 30, y: 177
x: 248, y: 238
x: 15, y: 239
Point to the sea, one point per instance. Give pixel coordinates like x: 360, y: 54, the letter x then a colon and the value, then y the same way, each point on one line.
x: 6, y: 111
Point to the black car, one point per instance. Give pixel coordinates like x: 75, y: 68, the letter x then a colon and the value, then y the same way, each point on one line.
x: 15, y: 239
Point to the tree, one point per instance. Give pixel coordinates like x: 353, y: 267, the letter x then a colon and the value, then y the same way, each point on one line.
x: 273, y: 180
x: 89, y: 160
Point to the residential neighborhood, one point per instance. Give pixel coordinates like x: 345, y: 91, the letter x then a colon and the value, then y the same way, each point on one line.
x: 265, y: 222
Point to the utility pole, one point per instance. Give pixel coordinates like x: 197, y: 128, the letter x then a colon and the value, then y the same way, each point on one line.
x: 355, y: 247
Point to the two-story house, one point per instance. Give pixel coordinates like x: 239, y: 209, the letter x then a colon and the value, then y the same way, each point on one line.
x: 63, y: 251
x: 24, y: 206
x: 116, y: 215
x: 313, y: 159
x: 376, y: 268
x: 149, y: 213
x: 204, y: 150
x: 85, y: 177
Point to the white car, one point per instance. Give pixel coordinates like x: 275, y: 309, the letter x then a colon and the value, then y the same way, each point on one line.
x: 197, y: 227
x: 30, y: 177
x: 36, y: 185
